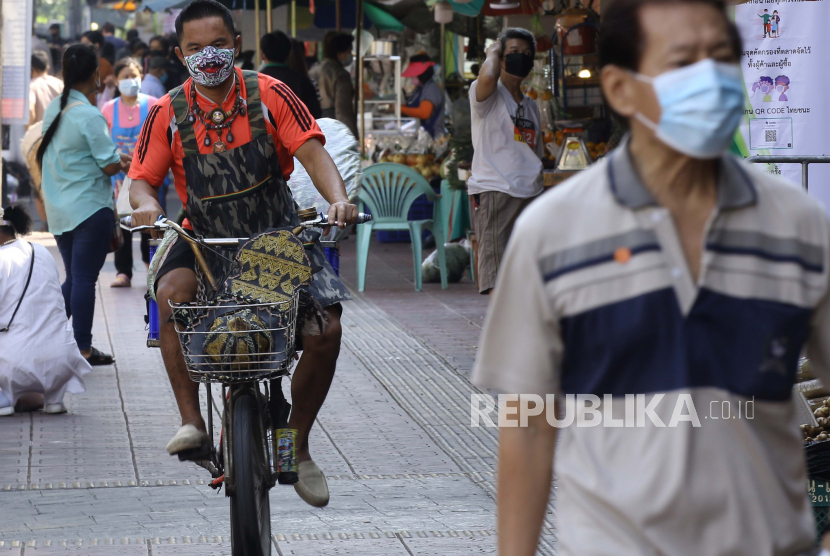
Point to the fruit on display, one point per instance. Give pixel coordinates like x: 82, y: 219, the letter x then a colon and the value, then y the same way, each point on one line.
x: 424, y: 164
x: 596, y: 150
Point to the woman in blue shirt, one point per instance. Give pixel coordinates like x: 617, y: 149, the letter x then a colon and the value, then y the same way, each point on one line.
x: 77, y: 158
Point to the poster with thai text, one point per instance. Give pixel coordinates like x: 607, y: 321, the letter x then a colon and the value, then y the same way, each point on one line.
x: 16, y: 55
x: 784, y: 65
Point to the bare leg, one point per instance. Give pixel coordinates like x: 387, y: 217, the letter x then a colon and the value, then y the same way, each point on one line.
x: 312, y: 379
x: 178, y: 286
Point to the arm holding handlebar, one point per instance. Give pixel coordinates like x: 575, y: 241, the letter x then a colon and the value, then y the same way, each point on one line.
x: 326, y: 178
x: 144, y: 199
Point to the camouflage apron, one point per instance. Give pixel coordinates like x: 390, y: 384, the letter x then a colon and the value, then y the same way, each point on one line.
x: 242, y: 192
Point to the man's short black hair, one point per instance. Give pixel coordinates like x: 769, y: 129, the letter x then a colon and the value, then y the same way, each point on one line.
x: 201, y: 9
x: 40, y: 61
x: 55, y: 26
x: 95, y: 37
x: 108, y: 28
x: 517, y: 33
x: 275, y: 46
x: 621, y: 41
x: 158, y: 62
x: 340, y: 42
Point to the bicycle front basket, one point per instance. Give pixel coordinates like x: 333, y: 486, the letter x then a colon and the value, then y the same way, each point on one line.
x: 228, y: 342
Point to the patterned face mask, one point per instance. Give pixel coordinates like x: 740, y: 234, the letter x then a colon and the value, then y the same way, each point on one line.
x: 210, y: 66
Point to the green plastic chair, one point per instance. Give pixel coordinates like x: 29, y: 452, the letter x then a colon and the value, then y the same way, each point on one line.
x: 388, y: 190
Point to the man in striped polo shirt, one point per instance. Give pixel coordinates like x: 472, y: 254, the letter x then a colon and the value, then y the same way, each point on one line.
x: 679, y: 286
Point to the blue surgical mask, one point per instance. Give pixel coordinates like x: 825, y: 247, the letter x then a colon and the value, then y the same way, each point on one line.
x: 701, y: 106
x: 129, y: 87
x: 163, y: 78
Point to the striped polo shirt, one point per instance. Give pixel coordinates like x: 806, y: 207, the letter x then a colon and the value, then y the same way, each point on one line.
x: 594, y: 296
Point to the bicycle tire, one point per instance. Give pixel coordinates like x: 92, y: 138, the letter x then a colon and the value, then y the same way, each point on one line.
x: 250, y: 505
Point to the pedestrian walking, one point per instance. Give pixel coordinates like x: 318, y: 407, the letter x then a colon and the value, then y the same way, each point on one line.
x: 334, y: 83
x: 276, y: 50
x: 106, y: 56
x: 77, y: 158
x: 506, y: 174
x: 675, y: 275
x: 154, y: 83
x: 125, y: 115
x: 38, y: 354
x: 43, y: 88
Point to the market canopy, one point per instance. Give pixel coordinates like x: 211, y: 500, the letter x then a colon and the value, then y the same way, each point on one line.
x: 324, y: 14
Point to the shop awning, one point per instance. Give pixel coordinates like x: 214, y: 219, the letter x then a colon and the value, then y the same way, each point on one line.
x: 381, y: 19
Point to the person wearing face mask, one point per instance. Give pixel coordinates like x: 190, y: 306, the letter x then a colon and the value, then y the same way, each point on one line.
x: 232, y: 135
x: 334, y: 83
x: 77, y: 158
x: 155, y: 81
x: 125, y: 116
x: 506, y: 173
x: 426, y: 102
x: 671, y: 274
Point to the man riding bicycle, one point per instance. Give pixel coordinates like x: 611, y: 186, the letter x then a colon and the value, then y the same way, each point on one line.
x: 230, y: 138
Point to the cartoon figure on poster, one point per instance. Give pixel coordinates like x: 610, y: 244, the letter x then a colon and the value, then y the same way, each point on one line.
x: 782, y: 85
x: 768, y: 86
x: 766, y: 23
x: 770, y: 23
x: 765, y: 85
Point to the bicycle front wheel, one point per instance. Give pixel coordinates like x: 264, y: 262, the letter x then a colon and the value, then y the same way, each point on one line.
x: 250, y: 506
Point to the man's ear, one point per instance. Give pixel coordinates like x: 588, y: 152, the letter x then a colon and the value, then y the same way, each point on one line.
x: 180, y: 56
x: 618, y: 89
x: 237, y: 51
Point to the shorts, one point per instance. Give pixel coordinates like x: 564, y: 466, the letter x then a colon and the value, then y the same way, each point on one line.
x: 325, y: 286
x: 493, y: 222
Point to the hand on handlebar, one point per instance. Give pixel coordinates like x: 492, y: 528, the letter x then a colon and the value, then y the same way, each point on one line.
x: 342, y: 214
x: 146, y: 215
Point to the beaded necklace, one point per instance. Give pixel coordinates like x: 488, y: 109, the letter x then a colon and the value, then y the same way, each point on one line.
x: 217, y: 119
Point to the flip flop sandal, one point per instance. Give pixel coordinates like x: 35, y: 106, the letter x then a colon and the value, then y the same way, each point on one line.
x: 97, y: 358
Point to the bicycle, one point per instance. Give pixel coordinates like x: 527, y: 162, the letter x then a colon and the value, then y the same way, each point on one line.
x: 256, y: 447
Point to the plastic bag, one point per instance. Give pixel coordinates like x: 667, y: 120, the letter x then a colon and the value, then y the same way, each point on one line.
x: 342, y: 147
x: 458, y: 259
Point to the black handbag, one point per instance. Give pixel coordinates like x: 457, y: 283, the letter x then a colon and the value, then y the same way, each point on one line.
x: 25, y: 288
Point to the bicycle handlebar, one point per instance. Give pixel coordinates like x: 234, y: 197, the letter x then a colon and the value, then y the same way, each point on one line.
x: 163, y: 223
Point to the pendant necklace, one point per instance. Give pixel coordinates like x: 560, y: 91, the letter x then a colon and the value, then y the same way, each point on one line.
x: 217, y: 119
x: 130, y: 110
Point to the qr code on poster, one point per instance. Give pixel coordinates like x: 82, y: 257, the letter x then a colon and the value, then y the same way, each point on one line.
x: 771, y: 135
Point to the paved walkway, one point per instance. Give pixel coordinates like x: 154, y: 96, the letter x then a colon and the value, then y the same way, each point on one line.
x: 408, y: 475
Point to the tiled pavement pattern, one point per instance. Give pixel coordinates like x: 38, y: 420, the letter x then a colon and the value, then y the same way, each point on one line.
x: 407, y: 473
